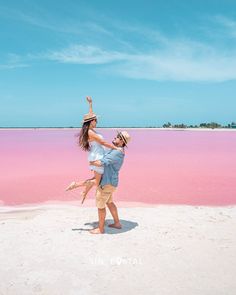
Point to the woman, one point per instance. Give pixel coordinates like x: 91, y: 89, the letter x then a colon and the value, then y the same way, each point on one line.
x: 94, y: 143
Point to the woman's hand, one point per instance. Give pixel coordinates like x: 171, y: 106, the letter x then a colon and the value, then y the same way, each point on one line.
x: 89, y: 99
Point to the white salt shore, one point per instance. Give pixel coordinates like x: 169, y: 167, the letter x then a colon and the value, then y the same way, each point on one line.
x: 164, y: 250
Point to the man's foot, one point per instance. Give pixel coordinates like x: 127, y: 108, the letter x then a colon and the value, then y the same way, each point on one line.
x: 115, y: 225
x: 72, y: 186
x: 96, y: 231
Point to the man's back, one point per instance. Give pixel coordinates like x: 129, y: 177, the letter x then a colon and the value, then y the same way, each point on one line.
x: 112, y: 162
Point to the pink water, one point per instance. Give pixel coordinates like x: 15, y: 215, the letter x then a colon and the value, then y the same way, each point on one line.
x: 161, y: 167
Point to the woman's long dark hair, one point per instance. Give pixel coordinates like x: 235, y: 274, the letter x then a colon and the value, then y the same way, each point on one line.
x: 83, y: 137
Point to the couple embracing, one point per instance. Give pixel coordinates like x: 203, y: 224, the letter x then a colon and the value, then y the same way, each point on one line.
x: 105, y: 160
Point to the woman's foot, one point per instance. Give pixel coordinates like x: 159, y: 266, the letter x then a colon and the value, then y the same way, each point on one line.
x: 72, y: 186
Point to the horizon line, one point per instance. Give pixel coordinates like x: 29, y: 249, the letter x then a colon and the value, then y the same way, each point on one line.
x: 171, y: 127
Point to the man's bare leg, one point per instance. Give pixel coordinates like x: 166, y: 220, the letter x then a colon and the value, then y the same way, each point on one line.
x: 101, y: 218
x: 113, y: 209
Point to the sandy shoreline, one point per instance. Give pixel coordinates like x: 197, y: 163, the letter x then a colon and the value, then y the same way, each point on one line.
x: 77, y: 203
x: 160, y: 250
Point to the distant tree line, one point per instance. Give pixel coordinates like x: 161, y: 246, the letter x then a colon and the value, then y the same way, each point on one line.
x: 212, y: 125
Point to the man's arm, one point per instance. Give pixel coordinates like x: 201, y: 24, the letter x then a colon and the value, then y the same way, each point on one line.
x: 96, y: 163
x: 110, y: 158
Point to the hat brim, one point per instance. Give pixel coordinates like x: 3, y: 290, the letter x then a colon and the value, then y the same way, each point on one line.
x: 90, y: 119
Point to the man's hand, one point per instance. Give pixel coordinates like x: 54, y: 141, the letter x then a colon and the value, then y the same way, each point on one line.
x: 96, y: 163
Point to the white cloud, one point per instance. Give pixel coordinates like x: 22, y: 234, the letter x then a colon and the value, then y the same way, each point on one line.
x: 228, y: 24
x: 179, y: 61
x: 180, y: 64
x: 37, y: 16
x: 13, y: 61
x: 84, y: 54
x: 149, y: 54
x: 12, y: 66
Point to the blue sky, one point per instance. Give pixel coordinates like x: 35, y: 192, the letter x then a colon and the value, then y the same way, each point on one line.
x: 143, y: 62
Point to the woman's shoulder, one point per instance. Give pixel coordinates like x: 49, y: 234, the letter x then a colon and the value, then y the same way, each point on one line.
x: 93, y: 135
x: 91, y: 131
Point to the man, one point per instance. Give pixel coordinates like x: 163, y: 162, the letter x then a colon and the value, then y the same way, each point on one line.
x: 112, y: 163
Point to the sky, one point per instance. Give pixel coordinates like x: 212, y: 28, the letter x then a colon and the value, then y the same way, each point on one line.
x: 144, y: 62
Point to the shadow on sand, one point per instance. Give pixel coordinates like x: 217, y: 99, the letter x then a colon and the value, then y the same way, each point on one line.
x: 126, y: 226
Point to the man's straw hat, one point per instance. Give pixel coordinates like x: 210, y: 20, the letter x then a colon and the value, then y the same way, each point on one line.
x: 125, y: 136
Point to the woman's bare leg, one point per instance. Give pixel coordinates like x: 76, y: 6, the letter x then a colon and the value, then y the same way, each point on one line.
x: 76, y: 184
x: 95, y: 181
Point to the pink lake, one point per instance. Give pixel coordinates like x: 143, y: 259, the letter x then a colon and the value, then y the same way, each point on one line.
x: 161, y: 166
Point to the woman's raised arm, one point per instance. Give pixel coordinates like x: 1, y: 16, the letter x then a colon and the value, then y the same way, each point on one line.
x: 89, y: 99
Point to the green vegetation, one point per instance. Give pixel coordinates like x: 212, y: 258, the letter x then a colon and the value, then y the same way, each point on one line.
x: 211, y: 125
